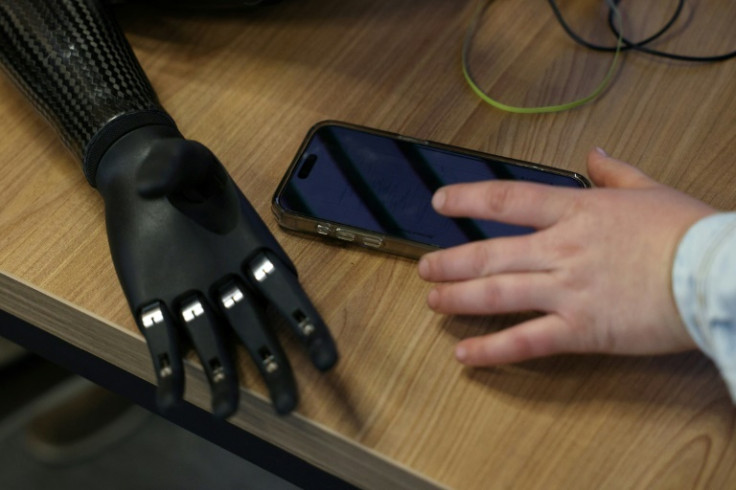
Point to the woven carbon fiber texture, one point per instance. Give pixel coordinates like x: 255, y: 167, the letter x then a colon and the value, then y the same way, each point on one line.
x: 71, y: 59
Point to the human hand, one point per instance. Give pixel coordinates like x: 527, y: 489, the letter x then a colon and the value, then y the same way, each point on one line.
x: 598, y: 268
x: 192, y: 255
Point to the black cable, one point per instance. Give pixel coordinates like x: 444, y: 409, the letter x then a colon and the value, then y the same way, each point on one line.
x: 628, y: 45
x: 664, y: 54
x: 641, y: 45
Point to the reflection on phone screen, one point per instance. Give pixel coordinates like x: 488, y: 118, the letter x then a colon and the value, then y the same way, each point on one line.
x: 385, y: 185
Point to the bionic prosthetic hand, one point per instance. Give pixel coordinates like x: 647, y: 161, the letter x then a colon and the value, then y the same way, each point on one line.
x: 190, y: 251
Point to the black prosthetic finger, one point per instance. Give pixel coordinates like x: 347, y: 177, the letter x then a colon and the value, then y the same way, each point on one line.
x: 159, y: 330
x: 250, y: 324
x: 272, y: 278
x: 201, y: 325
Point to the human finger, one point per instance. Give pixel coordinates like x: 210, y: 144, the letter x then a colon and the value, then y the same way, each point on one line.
x: 483, y: 258
x: 606, y: 171
x: 519, y: 203
x: 504, y: 293
x: 538, y: 337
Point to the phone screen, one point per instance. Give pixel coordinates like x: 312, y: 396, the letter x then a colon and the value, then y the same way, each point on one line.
x: 384, y: 184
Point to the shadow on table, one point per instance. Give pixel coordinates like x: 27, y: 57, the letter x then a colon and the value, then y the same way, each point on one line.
x: 684, y: 379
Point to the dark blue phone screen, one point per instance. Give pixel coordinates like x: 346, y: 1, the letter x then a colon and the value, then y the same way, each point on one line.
x: 385, y: 185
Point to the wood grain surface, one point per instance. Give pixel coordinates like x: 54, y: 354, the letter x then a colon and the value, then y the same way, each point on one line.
x: 398, y: 411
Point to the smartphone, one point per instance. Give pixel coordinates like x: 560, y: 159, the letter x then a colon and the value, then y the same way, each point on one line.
x: 373, y: 189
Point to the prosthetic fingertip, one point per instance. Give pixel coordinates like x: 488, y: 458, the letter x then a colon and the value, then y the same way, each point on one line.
x: 223, y: 405
x: 323, y: 354
x: 284, y: 403
x: 166, y: 398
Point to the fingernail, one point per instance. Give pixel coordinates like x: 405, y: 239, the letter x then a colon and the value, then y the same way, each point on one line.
x: 433, y: 298
x: 601, y: 151
x: 423, y: 268
x: 461, y: 353
x: 438, y: 200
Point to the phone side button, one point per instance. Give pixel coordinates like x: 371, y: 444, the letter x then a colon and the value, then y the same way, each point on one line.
x: 323, y: 229
x: 344, y: 235
x: 372, y: 241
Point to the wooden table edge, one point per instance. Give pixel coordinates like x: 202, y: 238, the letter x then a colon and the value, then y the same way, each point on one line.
x: 313, y: 443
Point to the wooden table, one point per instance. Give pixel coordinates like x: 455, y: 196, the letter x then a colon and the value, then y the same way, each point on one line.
x: 399, y: 411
